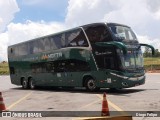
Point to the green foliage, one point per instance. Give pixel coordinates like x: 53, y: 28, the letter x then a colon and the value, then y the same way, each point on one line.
x: 148, y: 53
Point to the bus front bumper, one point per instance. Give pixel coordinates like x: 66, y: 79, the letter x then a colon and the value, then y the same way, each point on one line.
x: 126, y: 82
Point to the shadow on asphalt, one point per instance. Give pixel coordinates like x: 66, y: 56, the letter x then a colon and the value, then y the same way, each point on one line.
x: 83, y: 90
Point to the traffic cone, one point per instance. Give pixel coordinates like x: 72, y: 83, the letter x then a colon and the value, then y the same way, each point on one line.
x: 105, y: 109
x: 2, y: 105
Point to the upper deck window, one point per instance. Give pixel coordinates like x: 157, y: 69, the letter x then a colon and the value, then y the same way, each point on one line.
x: 56, y: 41
x: 98, y: 33
x: 23, y: 49
x: 76, y: 38
x: 44, y: 44
x: 122, y: 32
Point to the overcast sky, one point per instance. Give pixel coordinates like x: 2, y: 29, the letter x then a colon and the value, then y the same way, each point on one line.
x: 21, y: 20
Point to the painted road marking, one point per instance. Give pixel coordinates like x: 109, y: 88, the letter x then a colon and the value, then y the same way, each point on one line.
x: 113, y: 105
x: 109, y: 102
x: 90, y: 104
x: 18, y: 101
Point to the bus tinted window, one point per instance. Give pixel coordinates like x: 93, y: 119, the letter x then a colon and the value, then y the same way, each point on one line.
x: 76, y: 38
x: 38, y: 68
x: 33, y: 47
x: 41, y: 45
x: 44, y: 44
x: 15, y: 51
x: 55, y: 42
x: 71, y: 65
x: 77, y: 66
x: 23, y: 49
x: 11, y: 51
x: 63, y: 40
x: 98, y: 33
x: 47, y: 44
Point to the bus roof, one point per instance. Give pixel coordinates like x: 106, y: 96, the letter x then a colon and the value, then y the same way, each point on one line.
x: 87, y: 25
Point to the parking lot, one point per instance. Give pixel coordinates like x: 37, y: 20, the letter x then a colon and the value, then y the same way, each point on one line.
x: 74, y: 103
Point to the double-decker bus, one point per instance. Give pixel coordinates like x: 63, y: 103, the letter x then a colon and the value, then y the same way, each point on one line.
x: 94, y: 56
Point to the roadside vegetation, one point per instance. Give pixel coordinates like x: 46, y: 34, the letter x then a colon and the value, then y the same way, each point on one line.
x: 152, y: 64
x: 4, y: 70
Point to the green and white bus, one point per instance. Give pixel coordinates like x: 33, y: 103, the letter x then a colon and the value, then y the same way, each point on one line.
x: 98, y: 55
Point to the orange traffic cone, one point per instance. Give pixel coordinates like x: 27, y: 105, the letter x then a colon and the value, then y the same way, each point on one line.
x: 2, y: 105
x: 105, y: 109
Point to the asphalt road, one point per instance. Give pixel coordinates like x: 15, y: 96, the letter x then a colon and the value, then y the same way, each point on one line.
x: 141, y: 98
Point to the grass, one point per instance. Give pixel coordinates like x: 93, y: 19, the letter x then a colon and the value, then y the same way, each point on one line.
x: 4, y: 70
x: 150, y: 64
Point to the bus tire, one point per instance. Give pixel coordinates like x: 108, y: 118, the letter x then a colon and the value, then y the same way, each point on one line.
x: 91, y: 85
x: 31, y: 84
x: 24, y: 83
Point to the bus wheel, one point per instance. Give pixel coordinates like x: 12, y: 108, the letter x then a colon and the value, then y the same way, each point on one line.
x: 24, y: 84
x: 31, y: 84
x: 91, y: 85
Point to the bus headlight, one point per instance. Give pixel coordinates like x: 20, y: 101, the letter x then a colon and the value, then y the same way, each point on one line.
x: 120, y: 76
x: 136, y: 78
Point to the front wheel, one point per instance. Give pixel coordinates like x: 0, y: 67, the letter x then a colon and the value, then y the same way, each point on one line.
x: 91, y: 85
x: 24, y: 84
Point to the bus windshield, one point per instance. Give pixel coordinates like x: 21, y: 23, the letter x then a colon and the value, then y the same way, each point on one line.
x: 123, y: 32
x: 132, y: 60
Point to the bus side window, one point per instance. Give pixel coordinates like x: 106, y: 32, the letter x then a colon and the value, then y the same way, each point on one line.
x: 98, y: 33
x: 83, y: 66
x: 109, y: 63
x: 23, y: 49
x: 38, y: 68
x: 16, y: 51
x: 55, y: 42
x: 41, y: 45
x: 33, y: 47
x: 12, y: 70
x: 76, y: 38
x: 50, y: 67
x: 47, y: 44
x: 63, y: 40
x: 77, y: 65
x: 11, y: 51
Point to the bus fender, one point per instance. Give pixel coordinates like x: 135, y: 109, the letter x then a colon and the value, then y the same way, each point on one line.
x: 87, y: 76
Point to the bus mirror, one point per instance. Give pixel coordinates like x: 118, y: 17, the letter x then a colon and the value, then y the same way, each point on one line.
x: 116, y: 44
x: 150, y: 46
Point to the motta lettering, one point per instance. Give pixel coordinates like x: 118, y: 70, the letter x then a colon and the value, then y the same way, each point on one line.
x: 55, y: 55
x: 51, y: 56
